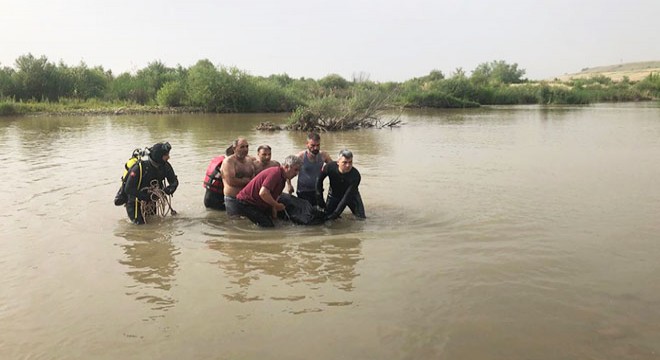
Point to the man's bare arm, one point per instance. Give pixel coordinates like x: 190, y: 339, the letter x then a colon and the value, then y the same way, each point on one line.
x: 326, y: 157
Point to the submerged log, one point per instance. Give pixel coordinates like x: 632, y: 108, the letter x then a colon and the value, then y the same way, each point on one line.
x: 268, y: 126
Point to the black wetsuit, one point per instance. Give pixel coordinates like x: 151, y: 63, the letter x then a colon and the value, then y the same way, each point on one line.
x: 150, y: 171
x: 343, y: 191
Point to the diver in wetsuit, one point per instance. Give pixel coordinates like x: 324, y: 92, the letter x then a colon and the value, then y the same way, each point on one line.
x: 141, y: 175
x: 344, y: 182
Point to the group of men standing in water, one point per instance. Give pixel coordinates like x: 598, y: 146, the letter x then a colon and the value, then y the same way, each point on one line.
x: 250, y: 187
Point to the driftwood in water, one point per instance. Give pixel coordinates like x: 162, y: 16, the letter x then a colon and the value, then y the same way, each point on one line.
x: 268, y: 126
x: 364, y: 109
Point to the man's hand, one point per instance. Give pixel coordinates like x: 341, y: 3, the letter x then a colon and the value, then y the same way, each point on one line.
x: 279, y: 207
x: 275, y: 209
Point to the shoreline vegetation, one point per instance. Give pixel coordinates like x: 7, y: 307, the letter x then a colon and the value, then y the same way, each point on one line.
x: 36, y: 86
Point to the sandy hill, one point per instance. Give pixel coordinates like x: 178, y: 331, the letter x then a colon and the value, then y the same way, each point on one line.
x: 634, y: 71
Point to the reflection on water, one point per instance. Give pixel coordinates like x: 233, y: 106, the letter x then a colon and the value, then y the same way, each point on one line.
x: 290, y: 271
x: 151, y: 262
x: 515, y: 232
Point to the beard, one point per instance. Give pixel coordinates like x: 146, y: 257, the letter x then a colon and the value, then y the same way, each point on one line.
x: 315, y: 151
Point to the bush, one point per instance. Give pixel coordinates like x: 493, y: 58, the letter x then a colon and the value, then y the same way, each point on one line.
x: 268, y: 96
x: 436, y: 99
x: 330, y: 113
x: 8, y: 108
x: 560, y: 95
x: 650, y: 86
x: 171, y: 94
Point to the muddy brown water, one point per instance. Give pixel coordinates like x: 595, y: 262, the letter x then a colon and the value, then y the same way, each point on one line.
x: 497, y: 233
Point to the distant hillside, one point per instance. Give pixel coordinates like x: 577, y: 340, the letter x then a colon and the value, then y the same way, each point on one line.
x: 634, y: 71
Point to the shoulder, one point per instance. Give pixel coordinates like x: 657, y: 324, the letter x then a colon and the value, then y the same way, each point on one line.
x: 331, y: 166
x: 356, y: 172
x: 269, y: 173
x: 144, y: 164
x: 326, y: 157
x: 301, y: 154
x: 248, y: 161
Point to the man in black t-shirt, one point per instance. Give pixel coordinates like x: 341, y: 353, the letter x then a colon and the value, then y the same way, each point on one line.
x: 344, y: 182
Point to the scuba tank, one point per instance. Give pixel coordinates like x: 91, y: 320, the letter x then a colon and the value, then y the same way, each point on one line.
x: 138, y: 154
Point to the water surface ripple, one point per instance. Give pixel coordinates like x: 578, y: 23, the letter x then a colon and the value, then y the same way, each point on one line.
x: 519, y: 232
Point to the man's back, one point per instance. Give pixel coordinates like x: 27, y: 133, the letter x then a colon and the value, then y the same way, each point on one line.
x: 271, y: 178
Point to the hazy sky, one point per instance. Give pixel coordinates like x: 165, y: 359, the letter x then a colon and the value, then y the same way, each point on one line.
x: 387, y: 40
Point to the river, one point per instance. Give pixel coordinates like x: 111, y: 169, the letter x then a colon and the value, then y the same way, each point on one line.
x: 520, y: 232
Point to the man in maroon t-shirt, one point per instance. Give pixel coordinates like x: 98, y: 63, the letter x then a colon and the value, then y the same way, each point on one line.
x: 258, y: 199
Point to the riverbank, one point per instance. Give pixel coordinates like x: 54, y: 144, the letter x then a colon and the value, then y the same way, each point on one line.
x: 88, y: 109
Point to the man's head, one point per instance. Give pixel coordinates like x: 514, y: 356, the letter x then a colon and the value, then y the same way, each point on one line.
x: 241, y: 148
x: 264, y: 154
x: 345, y: 161
x: 160, y: 152
x: 291, y: 166
x: 313, y: 143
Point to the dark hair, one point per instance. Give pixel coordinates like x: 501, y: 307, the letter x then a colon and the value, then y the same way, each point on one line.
x: 262, y: 147
x: 314, y: 136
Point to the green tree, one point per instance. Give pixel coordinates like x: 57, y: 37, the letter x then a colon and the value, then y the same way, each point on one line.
x: 171, y: 94
x: 89, y: 83
x: 204, y: 85
x: 497, y: 72
x: 150, y: 79
x: 435, y: 75
x: 281, y: 80
x: 7, y: 88
x: 334, y: 82
x: 127, y: 87
x: 35, y: 78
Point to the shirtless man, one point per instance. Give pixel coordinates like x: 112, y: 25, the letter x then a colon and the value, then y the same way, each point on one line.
x: 237, y: 170
x: 313, y: 160
x: 263, y: 161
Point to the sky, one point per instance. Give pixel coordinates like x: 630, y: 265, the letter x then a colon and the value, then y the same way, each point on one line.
x: 380, y: 40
